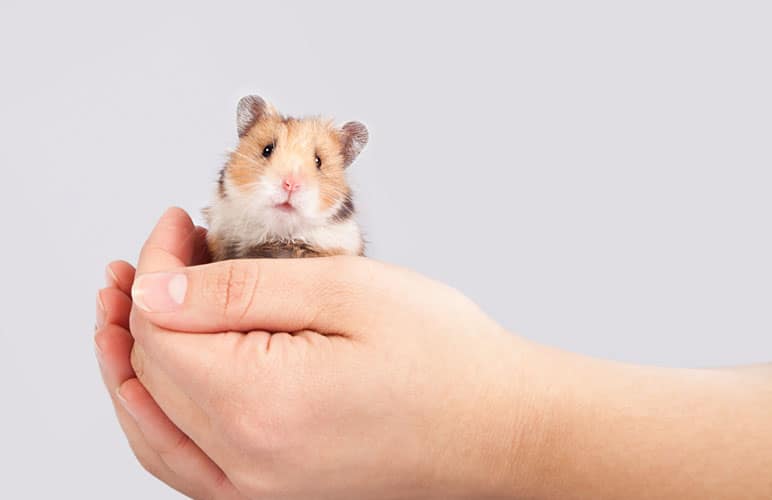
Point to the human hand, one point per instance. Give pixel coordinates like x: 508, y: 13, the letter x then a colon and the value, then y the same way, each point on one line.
x: 161, y: 448
x: 393, y: 386
x: 388, y: 385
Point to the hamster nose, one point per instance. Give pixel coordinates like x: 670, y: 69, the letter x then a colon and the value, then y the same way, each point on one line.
x: 290, y: 184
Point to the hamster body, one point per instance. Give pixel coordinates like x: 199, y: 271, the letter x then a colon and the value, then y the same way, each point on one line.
x: 283, y: 191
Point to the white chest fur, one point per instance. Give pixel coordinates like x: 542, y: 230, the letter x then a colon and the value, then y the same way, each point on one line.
x: 232, y: 222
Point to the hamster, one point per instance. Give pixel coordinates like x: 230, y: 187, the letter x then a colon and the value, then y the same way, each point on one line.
x: 283, y: 191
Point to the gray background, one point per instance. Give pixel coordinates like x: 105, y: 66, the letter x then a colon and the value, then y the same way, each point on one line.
x: 596, y: 176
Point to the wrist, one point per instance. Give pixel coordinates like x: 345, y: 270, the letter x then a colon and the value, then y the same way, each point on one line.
x: 533, y: 403
x: 511, y: 427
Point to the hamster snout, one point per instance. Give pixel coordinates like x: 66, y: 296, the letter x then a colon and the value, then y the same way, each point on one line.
x: 290, y: 184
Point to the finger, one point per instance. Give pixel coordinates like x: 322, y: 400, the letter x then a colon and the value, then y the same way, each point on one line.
x: 172, y: 401
x: 173, y: 366
x: 113, y: 307
x: 172, y: 243
x: 144, y: 453
x: 328, y: 295
x: 187, y: 362
x: 183, y: 357
x: 113, y: 345
x: 120, y: 274
x: 175, y: 448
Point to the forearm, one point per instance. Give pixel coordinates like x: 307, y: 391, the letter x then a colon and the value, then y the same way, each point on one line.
x: 621, y: 431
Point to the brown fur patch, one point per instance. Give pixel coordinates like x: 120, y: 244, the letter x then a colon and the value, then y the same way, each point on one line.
x: 345, y: 211
x: 270, y: 250
x: 216, y: 247
x: 221, y: 183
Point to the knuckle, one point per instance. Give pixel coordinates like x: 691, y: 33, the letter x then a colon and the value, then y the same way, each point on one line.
x: 151, y: 467
x: 177, y: 447
x: 232, y: 287
x: 142, y: 456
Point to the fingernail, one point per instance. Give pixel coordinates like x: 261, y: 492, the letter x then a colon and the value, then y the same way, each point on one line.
x: 159, y: 292
x: 110, y: 278
x: 100, y: 311
x: 124, y: 402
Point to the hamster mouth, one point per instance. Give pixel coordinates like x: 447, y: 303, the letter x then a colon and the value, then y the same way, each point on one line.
x: 286, y: 207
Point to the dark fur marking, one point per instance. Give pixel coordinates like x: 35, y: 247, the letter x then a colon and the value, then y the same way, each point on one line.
x: 281, y: 250
x: 345, y: 211
x: 277, y: 250
x: 230, y: 250
x: 221, y: 183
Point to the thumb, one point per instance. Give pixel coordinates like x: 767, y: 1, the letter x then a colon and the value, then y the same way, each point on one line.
x: 329, y: 295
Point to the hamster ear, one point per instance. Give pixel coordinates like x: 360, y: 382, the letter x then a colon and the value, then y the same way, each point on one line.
x: 250, y: 109
x: 354, y: 137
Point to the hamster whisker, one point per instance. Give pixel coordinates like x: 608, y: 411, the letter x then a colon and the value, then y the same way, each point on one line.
x: 250, y: 160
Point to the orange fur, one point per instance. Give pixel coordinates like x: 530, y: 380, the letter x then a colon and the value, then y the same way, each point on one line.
x: 297, y: 141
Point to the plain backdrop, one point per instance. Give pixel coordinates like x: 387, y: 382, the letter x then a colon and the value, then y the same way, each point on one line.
x: 596, y: 175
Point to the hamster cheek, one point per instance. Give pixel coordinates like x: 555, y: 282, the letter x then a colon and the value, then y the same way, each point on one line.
x: 328, y: 197
x: 253, y: 196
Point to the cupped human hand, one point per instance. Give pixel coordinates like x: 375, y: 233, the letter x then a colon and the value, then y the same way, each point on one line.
x: 325, y: 378
x: 161, y: 448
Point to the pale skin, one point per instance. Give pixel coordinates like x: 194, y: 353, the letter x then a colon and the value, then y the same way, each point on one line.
x: 394, y: 386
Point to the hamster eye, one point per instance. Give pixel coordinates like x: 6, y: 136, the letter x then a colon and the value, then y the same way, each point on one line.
x: 267, y: 151
x: 318, y: 161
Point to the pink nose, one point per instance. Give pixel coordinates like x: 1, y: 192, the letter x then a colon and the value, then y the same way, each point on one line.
x: 290, y: 184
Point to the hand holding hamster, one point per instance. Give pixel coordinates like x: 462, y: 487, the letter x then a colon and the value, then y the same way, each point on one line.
x: 392, y: 385
x: 352, y: 403
x: 283, y: 191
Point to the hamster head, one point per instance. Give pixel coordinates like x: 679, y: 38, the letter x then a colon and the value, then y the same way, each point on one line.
x: 290, y: 173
